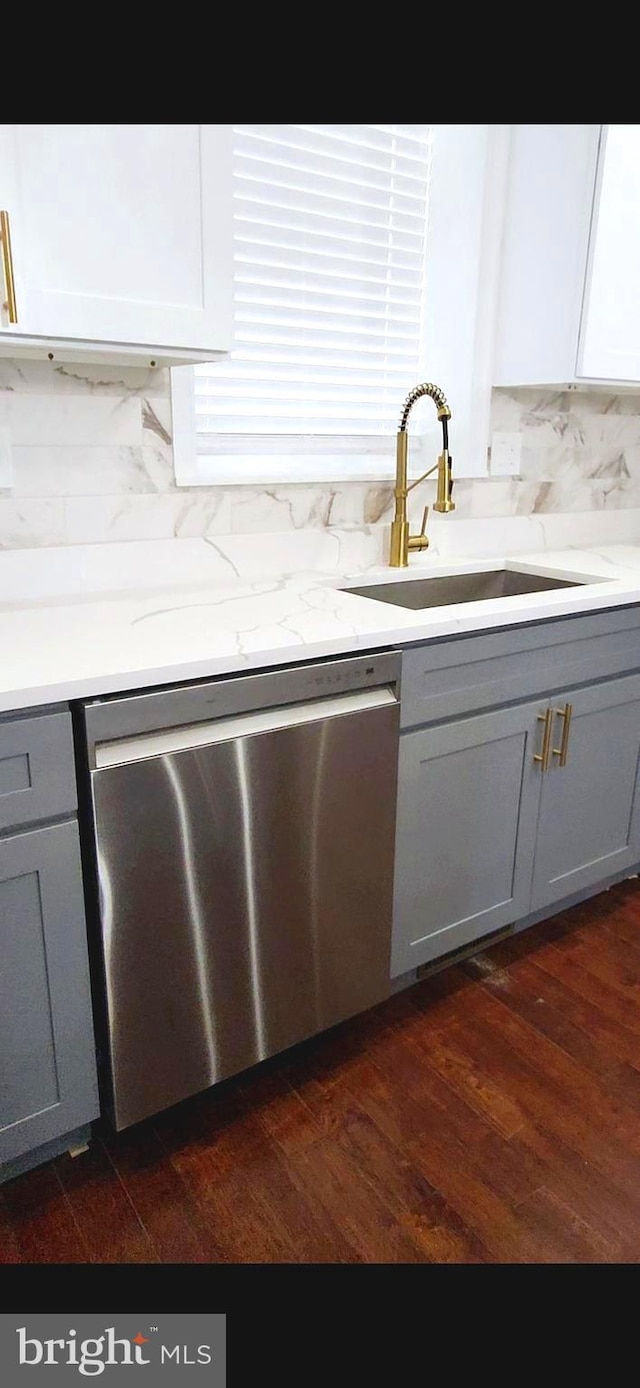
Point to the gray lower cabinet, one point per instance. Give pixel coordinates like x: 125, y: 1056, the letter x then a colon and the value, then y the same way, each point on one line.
x: 47, y: 1064
x: 589, y: 824
x: 468, y: 794
x: 497, y: 820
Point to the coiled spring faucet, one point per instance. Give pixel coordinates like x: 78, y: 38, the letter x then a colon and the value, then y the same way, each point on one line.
x: 401, y: 541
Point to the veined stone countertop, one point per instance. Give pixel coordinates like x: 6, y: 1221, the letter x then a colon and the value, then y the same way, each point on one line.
x: 92, y: 620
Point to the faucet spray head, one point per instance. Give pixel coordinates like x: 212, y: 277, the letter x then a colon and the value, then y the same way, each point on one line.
x: 443, y: 502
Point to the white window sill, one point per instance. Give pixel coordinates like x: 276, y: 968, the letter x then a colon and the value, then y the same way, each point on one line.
x: 260, y: 470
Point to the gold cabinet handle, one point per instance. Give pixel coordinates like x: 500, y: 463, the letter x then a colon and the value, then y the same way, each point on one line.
x: 7, y: 265
x: 562, y: 751
x: 544, y: 754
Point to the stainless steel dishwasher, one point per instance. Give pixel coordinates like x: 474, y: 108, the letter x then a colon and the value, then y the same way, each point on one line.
x: 243, y: 831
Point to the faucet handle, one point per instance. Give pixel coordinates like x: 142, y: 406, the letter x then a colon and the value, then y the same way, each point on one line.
x: 420, y: 541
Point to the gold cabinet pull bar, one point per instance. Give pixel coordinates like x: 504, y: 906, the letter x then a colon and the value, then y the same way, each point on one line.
x: 562, y: 751
x: 544, y: 754
x: 7, y: 265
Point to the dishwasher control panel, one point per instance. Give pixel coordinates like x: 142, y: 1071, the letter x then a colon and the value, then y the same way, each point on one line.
x: 129, y: 715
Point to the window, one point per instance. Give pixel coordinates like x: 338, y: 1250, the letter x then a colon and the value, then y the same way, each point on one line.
x: 339, y: 252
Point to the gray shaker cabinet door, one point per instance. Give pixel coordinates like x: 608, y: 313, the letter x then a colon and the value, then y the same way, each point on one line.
x: 589, y: 824
x: 47, y: 1054
x: 467, y: 810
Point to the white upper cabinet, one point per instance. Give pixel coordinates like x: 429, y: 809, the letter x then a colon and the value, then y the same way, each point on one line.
x: 569, y: 302
x: 610, y: 336
x: 121, y: 241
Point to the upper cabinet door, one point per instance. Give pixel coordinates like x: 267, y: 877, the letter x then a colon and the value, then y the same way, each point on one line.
x: 119, y: 234
x: 547, y: 214
x: 610, y: 337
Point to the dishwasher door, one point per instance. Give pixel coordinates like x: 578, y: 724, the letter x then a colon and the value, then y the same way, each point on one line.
x: 245, y: 874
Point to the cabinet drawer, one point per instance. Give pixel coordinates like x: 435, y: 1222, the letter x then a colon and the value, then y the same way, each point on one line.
x: 443, y: 679
x: 37, y: 772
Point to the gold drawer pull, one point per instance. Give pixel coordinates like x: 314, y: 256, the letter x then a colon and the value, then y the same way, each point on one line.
x: 544, y: 755
x: 7, y: 265
x: 562, y: 751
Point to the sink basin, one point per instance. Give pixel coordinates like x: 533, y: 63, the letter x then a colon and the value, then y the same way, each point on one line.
x: 419, y: 593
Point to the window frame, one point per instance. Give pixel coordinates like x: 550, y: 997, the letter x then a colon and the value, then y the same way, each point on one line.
x: 468, y: 182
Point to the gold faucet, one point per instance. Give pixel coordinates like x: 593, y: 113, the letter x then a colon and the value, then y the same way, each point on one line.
x: 401, y: 541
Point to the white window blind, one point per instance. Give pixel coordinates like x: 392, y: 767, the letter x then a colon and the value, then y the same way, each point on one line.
x: 330, y: 225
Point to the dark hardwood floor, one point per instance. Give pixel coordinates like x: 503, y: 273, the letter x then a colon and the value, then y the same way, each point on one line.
x: 489, y: 1114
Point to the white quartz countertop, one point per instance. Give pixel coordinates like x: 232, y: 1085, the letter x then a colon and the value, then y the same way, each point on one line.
x: 100, y: 619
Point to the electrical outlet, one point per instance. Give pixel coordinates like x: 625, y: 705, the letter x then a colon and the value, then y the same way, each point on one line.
x: 6, y: 460
x: 506, y: 451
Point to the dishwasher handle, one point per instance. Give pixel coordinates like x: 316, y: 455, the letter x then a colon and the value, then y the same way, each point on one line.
x: 114, y: 717
x: 166, y: 741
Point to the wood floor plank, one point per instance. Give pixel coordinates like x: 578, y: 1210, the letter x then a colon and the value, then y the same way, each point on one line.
x: 246, y: 1190
x: 385, y: 1167
x: 561, y: 1069
x: 551, y: 1105
x: 609, y: 958
x: 595, y: 986
x: 557, y: 1234
x: 320, y: 1124
x: 225, y: 1179
x: 438, y: 1110
x: 599, y: 1043
x: 482, y: 1210
x: 337, y: 1137
x: 109, y: 1224
x: 42, y: 1219
x: 460, y: 1071
x: 162, y: 1203
x: 10, y: 1251
x: 594, y: 1198
x: 625, y: 925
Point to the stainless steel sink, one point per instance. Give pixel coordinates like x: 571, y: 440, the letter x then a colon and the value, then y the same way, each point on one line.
x: 419, y: 593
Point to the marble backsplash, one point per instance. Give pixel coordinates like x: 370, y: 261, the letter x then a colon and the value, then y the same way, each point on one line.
x: 93, y: 463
